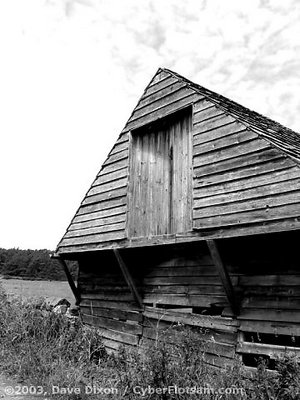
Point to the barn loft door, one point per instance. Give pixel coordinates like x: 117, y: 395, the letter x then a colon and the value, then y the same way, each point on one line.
x: 160, y: 177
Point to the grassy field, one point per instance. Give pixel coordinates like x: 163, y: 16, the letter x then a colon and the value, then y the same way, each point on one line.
x: 34, y: 289
x: 43, y: 350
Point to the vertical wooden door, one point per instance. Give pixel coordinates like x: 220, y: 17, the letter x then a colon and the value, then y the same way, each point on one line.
x: 160, y: 177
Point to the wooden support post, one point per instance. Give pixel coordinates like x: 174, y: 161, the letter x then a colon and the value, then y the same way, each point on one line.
x: 223, y: 273
x: 69, y: 277
x: 128, y: 278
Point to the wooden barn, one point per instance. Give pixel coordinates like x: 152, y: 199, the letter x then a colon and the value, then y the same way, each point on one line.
x: 194, y: 218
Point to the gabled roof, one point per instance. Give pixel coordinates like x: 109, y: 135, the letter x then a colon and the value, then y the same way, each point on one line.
x: 229, y: 140
x: 283, y: 138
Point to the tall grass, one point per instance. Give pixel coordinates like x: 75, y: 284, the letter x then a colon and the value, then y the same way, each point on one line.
x: 47, y: 349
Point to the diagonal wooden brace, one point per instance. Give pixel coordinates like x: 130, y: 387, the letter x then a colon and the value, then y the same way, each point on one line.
x: 69, y: 277
x: 224, y: 276
x: 128, y: 278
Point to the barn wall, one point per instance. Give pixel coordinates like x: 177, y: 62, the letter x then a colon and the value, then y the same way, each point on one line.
x: 182, y: 276
x: 175, y: 286
x: 266, y: 277
x: 239, y: 178
x: 179, y: 284
x: 240, y: 181
x: 106, y: 301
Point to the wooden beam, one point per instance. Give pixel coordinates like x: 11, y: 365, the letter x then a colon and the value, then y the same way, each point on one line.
x: 198, y: 234
x: 223, y: 273
x: 69, y: 277
x: 128, y: 278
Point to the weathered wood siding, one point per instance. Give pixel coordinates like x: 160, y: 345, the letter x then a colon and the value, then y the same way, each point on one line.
x: 161, y: 177
x: 177, y: 284
x: 266, y: 277
x: 239, y: 178
x: 106, y: 301
x: 219, y: 334
x: 241, y: 183
x: 163, y: 96
x: 180, y: 284
x: 181, y: 276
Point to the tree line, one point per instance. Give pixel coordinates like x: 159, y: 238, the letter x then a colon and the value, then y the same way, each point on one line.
x: 32, y: 264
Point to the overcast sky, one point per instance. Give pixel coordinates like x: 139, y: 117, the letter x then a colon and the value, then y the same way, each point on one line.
x: 71, y: 72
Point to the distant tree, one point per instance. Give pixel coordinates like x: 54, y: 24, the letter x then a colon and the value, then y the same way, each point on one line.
x: 33, y: 264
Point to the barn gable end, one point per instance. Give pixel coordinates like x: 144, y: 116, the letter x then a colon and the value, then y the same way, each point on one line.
x: 193, y: 219
x: 240, y: 171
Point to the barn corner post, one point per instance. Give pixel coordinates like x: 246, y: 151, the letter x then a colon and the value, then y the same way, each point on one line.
x: 70, y: 280
x: 224, y: 275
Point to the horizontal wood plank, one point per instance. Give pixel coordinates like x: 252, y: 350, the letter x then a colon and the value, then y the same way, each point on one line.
x: 159, y: 76
x: 285, y: 184
x: 106, y: 296
x: 120, y: 146
x: 202, y: 104
x: 96, y: 238
x: 270, y: 315
x: 244, y: 173
x: 264, y: 179
x: 119, y: 305
x: 111, y: 313
x: 101, y: 206
x: 170, y: 98
x: 234, y: 139
x: 213, y: 123
x: 235, y: 163
x: 273, y: 327
x: 186, y: 289
x: 227, y: 128
x: 106, y: 187
x: 103, y: 214
x: 238, y: 204
x: 207, y: 321
x: 158, y: 86
x: 175, y: 280
x: 185, y: 300
x: 112, y: 324
x: 113, y: 167
x: 98, y: 222
x: 272, y: 351
x: 252, y: 216
x: 181, y: 271
x: 119, y: 337
x: 112, y: 159
x: 207, y: 113
x: 270, y: 280
x: 102, y: 197
x: 95, y: 230
x: 269, y: 303
x: 231, y: 152
x: 162, y: 94
x: 162, y: 112
x: 112, y: 176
